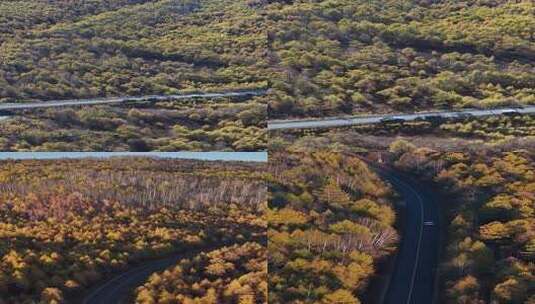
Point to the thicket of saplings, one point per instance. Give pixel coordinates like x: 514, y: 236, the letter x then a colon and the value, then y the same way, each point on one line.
x: 68, y: 224
x: 163, y: 126
x: 491, y: 222
x: 358, y: 56
x: 330, y: 224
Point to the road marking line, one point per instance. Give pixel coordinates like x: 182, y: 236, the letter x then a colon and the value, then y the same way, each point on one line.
x: 413, y: 279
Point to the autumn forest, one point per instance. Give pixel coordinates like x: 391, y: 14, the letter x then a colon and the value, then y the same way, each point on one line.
x: 395, y: 143
x: 69, y: 225
x: 331, y: 222
x: 66, y: 50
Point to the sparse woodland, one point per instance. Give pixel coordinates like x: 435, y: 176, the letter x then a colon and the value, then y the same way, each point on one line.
x: 493, y: 129
x: 330, y: 222
x: 501, y: 132
x: 163, y: 126
x: 490, y: 245
x: 67, y: 224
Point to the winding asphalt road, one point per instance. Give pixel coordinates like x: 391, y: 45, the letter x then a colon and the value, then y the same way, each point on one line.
x: 413, y: 279
x: 124, y: 99
x: 118, y: 289
x: 329, y: 122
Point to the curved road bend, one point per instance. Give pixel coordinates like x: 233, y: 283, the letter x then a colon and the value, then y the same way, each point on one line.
x: 413, y: 279
x: 124, y: 99
x: 330, y: 122
x: 118, y: 289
